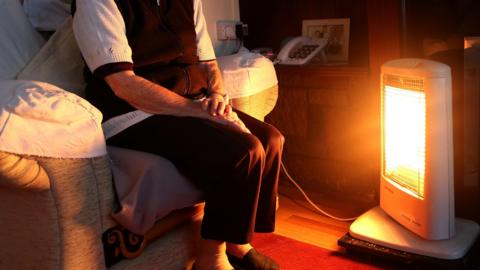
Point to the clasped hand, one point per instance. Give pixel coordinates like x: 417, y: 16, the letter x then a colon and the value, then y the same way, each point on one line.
x: 221, y: 111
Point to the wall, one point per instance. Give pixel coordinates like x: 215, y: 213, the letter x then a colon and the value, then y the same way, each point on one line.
x: 438, y: 21
x: 217, y: 10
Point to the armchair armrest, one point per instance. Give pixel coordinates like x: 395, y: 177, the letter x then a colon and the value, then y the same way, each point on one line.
x: 54, y: 212
x: 251, y: 82
x: 17, y: 172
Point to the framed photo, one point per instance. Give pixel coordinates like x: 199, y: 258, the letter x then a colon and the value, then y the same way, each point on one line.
x: 336, y: 31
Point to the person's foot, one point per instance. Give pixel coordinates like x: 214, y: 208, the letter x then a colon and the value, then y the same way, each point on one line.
x: 238, y: 250
x: 211, y: 256
x: 249, y: 260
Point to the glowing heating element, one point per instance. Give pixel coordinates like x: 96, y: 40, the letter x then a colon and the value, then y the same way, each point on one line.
x: 404, y: 115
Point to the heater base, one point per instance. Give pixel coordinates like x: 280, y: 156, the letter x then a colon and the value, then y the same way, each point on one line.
x: 406, y: 260
x: 376, y: 233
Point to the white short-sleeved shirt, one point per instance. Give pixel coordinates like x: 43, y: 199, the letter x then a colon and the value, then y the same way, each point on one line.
x: 100, y: 32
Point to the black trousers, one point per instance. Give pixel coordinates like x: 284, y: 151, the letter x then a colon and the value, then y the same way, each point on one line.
x: 238, y: 172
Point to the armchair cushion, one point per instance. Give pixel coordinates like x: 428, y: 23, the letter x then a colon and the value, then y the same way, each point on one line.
x: 19, y: 41
x: 148, y: 187
x: 58, y: 62
x: 46, y: 15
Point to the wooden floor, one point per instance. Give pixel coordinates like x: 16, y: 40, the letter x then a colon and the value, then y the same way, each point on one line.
x: 298, y: 220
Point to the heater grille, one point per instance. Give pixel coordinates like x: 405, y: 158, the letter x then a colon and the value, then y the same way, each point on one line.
x: 404, y: 137
x: 404, y: 83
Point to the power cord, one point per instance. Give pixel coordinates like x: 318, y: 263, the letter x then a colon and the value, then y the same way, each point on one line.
x: 310, y: 201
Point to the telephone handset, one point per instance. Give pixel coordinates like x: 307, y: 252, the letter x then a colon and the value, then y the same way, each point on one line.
x: 301, y: 50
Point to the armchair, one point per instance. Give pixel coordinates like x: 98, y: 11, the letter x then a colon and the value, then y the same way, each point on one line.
x: 58, y: 198
x: 55, y: 212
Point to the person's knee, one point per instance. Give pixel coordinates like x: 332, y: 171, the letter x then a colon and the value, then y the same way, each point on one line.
x: 254, y: 149
x: 275, y: 139
x: 247, y: 160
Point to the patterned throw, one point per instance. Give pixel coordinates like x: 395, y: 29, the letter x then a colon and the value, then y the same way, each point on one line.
x: 120, y: 243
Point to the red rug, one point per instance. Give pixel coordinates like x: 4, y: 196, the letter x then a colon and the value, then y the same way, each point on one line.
x: 295, y: 255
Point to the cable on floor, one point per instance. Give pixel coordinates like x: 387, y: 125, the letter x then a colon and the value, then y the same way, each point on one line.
x: 310, y: 201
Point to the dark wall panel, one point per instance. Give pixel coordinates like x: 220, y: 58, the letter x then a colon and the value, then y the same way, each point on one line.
x: 271, y: 22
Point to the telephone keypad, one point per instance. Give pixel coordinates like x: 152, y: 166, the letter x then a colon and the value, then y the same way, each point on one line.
x: 303, y: 51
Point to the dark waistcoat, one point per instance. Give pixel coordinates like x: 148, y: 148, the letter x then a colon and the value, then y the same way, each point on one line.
x: 163, y: 41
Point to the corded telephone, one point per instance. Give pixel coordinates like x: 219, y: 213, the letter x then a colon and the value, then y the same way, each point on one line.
x: 301, y: 50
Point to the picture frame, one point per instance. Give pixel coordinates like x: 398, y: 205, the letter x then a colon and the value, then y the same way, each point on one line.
x: 337, y: 31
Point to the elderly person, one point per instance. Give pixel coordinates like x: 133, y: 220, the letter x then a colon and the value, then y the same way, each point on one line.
x: 156, y: 56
